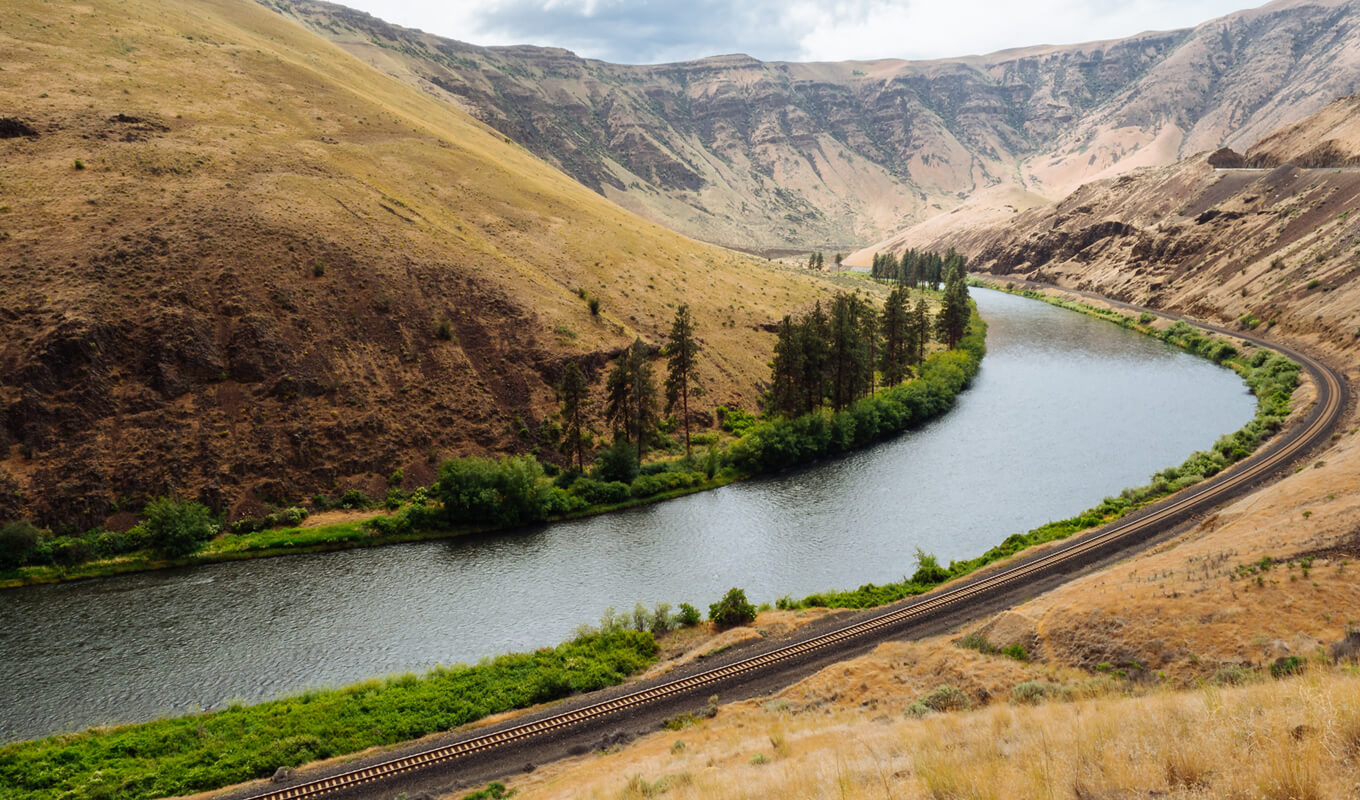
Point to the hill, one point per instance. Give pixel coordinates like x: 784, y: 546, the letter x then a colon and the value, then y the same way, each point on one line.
x: 788, y: 156
x: 238, y: 263
x: 1167, y: 674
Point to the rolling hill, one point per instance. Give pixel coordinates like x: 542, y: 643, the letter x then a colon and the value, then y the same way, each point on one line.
x: 240, y: 264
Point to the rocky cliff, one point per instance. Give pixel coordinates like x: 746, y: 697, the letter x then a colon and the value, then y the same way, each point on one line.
x: 783, y: 155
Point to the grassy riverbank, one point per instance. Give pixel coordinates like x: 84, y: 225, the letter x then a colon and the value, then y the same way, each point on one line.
x: 1270, y: 376
x: 199, y: 752
x: 761, y: 446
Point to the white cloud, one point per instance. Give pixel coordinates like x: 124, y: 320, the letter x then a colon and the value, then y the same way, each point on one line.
x: 651, y: 31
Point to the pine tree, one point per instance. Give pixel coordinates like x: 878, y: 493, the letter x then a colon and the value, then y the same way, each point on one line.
x: 897, y: 346
x: 787, y: 370
x: 868, y: 333
x: 680, y: 354
x: 575, y: 397
x: 618, y: 389
x: 642, y: 390
x: 920, y: 330
x: 953, y: 318
x: 848, y: 351
x: 814, y: 335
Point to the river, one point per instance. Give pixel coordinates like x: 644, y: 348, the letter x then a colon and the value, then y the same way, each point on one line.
x: 1066, y: 410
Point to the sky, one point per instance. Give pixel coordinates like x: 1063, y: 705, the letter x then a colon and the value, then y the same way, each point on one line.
x: 658, y: 31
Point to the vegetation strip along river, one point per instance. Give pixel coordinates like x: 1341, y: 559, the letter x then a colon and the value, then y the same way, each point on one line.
x: 1057, y: 396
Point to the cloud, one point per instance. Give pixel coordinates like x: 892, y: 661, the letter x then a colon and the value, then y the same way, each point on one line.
x: 655, y: 31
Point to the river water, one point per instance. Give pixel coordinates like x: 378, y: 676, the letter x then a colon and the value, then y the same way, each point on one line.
x: 1066, y: 410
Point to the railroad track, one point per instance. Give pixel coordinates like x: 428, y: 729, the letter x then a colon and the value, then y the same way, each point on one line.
x: 1118, y: 536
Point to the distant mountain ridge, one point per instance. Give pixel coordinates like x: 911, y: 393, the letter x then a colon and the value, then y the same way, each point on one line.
x: 787, y: 155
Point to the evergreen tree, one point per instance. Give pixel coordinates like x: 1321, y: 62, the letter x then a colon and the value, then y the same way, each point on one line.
x: 680, y: 359
x: 814, y: 336
x: 618, y: 389
x: 848, y: 351
x: 920, y: 332
x: 574, y: 394
x: 897, y: 343
x: 868, y: 331
x: 643, y: 391
x: 953, y: 318
x: 786, y: 396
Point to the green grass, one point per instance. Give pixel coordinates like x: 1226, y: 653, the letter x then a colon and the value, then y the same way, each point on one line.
x: 208, y: 751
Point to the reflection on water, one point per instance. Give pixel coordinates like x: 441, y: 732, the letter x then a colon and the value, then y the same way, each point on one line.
x: 1066, y: 410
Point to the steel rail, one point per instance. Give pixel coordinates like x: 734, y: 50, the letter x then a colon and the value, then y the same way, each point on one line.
x: 1330, y: 402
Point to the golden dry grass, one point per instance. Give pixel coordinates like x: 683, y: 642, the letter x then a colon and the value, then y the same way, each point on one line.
x: 1295, y: 739
x: 260, y: 150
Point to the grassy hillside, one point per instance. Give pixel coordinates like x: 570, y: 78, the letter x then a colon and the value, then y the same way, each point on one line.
x: 239, y: 263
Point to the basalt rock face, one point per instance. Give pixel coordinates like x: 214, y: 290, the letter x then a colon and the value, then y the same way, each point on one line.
x: 1262, y: 247
x: 785, y: 155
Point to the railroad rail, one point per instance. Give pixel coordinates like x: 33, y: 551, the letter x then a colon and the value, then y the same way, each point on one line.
x: 1159, y: 517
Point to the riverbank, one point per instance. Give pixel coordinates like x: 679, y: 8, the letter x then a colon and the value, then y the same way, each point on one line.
x: 202, y: 752
x: 765, y: 446
x: 1272, y: 378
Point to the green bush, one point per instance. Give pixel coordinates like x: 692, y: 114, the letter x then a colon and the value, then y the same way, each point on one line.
x: 18, y: 540
x: 689, y: 615
x: 1032, y: 693
x: 594, y: 492
x: 1286, y: 665
x: 355, y: 499
x: 68, y: 551
x: 483, y: 491
x: 175, y: 528
x: 928, y: 570
x: 732, y: 609
x: 946, y: 698
x: 617, y: 462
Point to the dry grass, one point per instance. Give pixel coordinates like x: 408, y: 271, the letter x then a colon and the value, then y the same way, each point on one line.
x: 261, y: 152
x: 1293, y: 739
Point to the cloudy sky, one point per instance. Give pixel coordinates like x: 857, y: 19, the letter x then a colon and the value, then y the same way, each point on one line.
x: 655, y: 31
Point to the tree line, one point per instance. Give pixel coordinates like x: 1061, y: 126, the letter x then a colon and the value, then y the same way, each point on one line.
x: 916, y: 267
x: 837, y: 355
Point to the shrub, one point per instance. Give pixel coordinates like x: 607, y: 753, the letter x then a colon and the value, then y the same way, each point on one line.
x: 504, y: 492
x: 594, y: 492
x: 928, y: 569
x: 946, y: 698
x: 662, y: 619
x: 734, y: 420
x: 689, y: 615
x: 18, y: 540
x: 618, y: 462
x: 107, y: 544
x: 1015, y: 651
x: 1232, y: 675
x: 355, y: 499
x: 1286, y: 665
x: 732, y: 609
x: 1033, y: 693
x: 69, y: 551
x: 594, y: 305
x: 176, y: 527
